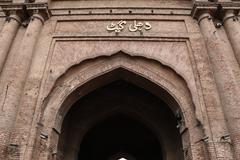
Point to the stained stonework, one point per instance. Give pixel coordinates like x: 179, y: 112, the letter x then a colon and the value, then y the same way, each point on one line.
x: 119, y: 79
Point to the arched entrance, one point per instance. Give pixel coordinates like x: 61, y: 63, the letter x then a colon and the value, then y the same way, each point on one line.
x: 145, y: 93
x: 119, y: 120
x: 120, y: 137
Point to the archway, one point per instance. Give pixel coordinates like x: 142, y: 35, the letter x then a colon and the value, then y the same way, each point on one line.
x: 153, y: 78
x: 120, y: 120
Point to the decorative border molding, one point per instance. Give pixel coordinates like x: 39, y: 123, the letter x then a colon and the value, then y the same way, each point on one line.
x: 120, y: 11
x: 60, y: 37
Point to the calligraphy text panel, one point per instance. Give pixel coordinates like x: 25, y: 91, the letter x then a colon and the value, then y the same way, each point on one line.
x: 99, y: 27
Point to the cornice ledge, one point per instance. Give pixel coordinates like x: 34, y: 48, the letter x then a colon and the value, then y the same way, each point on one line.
x: 199, y: 7
x: 39, y: 8
x: 213, y: 7
x: 11, y: 8
x: 235, y: 6
x: 25, y: 10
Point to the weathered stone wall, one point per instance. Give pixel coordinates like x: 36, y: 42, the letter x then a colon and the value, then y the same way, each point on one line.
x: 1, y: 23
x: 2, y: 19
x: 42, y: 44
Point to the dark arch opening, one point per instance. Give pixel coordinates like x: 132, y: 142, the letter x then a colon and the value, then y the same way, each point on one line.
x: 120, y: 119
x: 117, y: 137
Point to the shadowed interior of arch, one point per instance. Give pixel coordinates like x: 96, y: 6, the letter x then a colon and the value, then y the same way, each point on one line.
x: 120, y: 120
x: 120, y: 137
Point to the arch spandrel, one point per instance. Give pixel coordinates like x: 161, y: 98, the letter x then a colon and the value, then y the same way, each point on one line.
x: 175, y: 55
x: 172, y: 54
x: 161, y: 53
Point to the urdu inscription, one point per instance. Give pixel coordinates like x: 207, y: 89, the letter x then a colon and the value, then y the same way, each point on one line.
x: 133, y: 27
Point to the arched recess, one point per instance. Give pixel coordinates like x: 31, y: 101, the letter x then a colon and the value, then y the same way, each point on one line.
x: 150, y: 75
x: 141, y: 140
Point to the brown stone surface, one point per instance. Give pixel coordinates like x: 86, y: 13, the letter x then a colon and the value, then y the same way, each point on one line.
x: 64, y: 77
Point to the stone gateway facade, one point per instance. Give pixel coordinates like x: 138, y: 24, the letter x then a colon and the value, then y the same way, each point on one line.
x: 119, y: 80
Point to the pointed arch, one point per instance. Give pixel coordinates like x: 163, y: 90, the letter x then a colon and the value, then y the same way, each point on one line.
x: 154, y: 77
